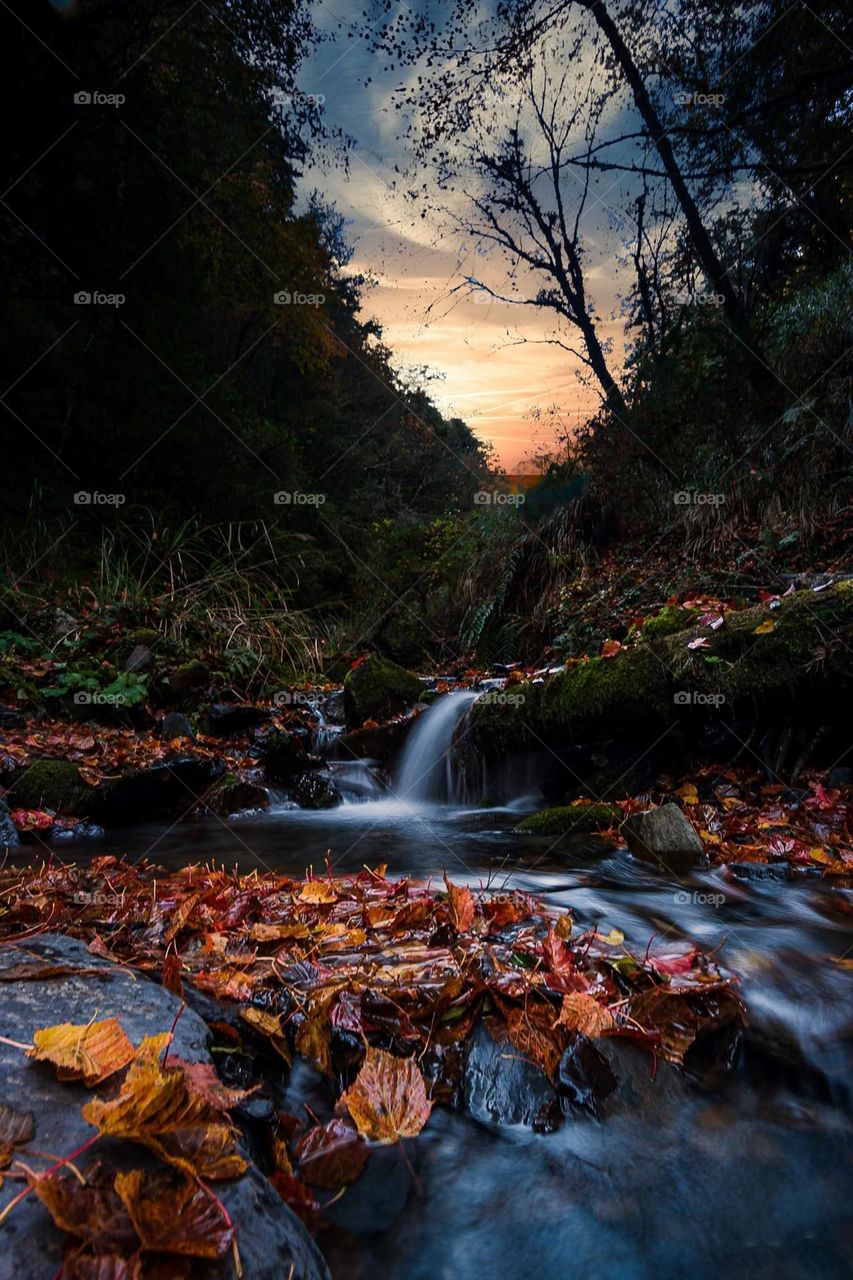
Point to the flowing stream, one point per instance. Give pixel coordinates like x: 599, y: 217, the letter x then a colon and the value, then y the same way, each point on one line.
x: 751, y: 1178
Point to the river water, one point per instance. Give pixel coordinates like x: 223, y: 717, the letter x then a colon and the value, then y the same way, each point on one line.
x: 751, y: 1178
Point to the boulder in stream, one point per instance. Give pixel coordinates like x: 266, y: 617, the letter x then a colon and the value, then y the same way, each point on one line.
x: 664, y: 836
x: 8, y: 830
x: 272, y: 1241
x: 378, y: 689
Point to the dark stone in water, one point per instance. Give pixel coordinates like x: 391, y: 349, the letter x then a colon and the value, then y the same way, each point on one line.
x: 584, y: 1076
x: 748, y: 872
x: 284, y: 755
x: 8, y: 830
x: 225, y: 718
x: 666, y: 837
x: 163, y: 791
x: 10, y: 718
x: 314, y: 791
x: 501, y: 1087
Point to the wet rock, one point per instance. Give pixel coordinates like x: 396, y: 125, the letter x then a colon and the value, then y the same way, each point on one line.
x: 840, y: 776
x: 642, y: 1086
x: 315, y: 790
x: 382, y: 743
x: 584, y: 1076
x: 63, y: 624
x: 11, y: 718
x: 81, y: 831
x: 750, y: 872
x: 666, y: 837
x: 273, y: 1243
x: 501, y: 1087
x: 8, y: 830
x: 168, y: 790
x: 140, y: 658
x: 235, y: 795
x: 175, y: 725
x: 51, y: 784
x: 333, y: 707
x: 378, y: 689
x: 284, y: 755
x: 224, y: 718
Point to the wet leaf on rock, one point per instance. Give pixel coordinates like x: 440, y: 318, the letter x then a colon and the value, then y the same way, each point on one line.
x: 331, y: 1155
x: 174, y: 1215
x: 584, y: 1075
x: 388, y: 1099
x: 90, y: 1052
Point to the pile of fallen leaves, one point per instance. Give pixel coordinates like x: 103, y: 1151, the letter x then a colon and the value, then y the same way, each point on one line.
x: 379, y: 983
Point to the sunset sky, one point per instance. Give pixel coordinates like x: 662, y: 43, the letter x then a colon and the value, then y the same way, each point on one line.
x: 494, y: 363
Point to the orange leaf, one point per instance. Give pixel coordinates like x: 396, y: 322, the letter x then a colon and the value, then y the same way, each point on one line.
x: 583, y: 1013
x: 331, y: 1155
x: 174, y: 1216
x: 610, y: 648
x: 388, y: 1098
x: 157, y: 1107
x: 461, y: 905
x: 16, y: 1129
x: 91, y: 1211
x: 90, y: 1052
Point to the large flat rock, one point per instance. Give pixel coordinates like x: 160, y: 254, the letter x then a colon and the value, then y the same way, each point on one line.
x: 273, y: 1243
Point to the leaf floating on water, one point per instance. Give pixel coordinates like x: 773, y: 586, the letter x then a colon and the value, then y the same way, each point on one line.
x: 388, y: 1099
x: 90, y: 1052
x: 174, y: 1215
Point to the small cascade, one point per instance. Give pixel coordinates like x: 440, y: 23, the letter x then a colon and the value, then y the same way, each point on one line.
x: 356, y: 780
x: 427, y: 770
x: 325, y: 735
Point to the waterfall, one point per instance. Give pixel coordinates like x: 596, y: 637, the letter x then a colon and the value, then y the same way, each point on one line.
x: 426, y: 771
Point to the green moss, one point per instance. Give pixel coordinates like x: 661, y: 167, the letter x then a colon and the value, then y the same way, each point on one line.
x: 187, y: 678
x: 49, y: 784
x: 670, y: 619
x: 570, y: 818
x: 377, y: 689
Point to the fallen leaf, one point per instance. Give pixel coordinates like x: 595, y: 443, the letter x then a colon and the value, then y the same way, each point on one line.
x: 90, y: 1052
x: 16, y: 1129
x: 388, y: 1098
x: 583, y: 1013
x: 331, y: 1155
x: 461, y: 905
x: 610, y: 648
x: 174, y: 1215
x: 764, y: 628
x: 92, y: 1211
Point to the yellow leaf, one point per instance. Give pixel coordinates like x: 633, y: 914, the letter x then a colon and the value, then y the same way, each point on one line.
x: 688, y: 793
x: 89, y: 1052
x: 764, y: 628
x: 614, y: 938
x: 387, y: 1099
x: 563, y: 927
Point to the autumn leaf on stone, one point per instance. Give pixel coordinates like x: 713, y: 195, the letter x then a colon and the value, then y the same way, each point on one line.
x: 157, y: 1107
x: 174, y: 1215
x: 314, y: 1040
x: 202, y: 1079
x: 318, y: 891
x: 461, y: 905
x: 91, y: 1210
x: 90, y: 1052
x: 16, y: 1129
x: 112, y: 1266
x: 331, y: 1155
x: 388, y: 1098
x: 583, y: 1013
x: 295, y: 1194
x: 269, y: 1025
x: 531, y: 1031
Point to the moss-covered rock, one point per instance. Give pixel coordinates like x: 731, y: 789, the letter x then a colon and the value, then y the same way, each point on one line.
x: 377, y: 689
x: 51, y: 784
x: 571, y: 817
x: 233, y: 794
x: 187, y: 679
x: 798, y: 656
